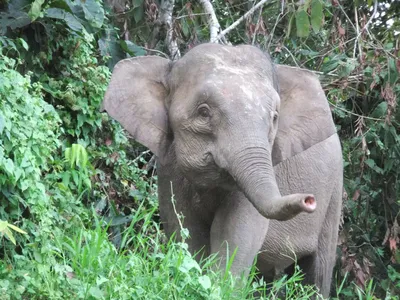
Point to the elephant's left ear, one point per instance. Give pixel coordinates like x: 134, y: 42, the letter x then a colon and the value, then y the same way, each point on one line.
x: 135, y: 98
x: 305, y: 118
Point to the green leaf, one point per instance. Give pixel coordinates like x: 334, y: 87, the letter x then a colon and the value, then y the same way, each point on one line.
x: 9, y: 166
x: 205, y: 282
x: 138, y: 13
x: 347, y: 67
x: 72, y: 158
x: 71, y: 20
x: 75, y: 177
x: 188, y: 264
x: 13, y: 20
x: 67, y: 154
x: 118, y: 220
x: 10, y: 236
x: 109, y: 46
x: 3, y: 225
x: 87, y: 182
x: 137, y: 3
x: 371, y: 163
x: 2, y: 123
x: 316, y: 15
x: 24, y: 44
x: 330, y: 65
x: 16, y: 229
x: 23, y: 185
x: 132, y: 48
x: 94, y: 13
x: 63, y: 4
x: 66, y: 178
x: 101, y: 280
x: 302, y: 23
x: 95, y: 292
x: 380, y: 110
x: 36, y: 9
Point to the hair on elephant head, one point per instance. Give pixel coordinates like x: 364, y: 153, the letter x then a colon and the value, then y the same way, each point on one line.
x: 216, y: 112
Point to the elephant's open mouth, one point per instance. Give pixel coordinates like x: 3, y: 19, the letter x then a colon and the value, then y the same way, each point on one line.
x: 226, y: 181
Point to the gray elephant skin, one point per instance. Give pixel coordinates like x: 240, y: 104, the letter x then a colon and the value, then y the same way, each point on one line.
x: 249, y: 150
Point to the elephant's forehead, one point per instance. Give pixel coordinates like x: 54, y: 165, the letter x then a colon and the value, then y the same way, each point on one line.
x: 227, y: 61
x: 233, y: 66
x: 233, y: 92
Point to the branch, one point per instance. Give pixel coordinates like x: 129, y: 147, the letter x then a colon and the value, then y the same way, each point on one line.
x: 166, y: 10
x: 238, y: 21
x: 212, y: 19
x: 370, y: 19
x: 365, y: 27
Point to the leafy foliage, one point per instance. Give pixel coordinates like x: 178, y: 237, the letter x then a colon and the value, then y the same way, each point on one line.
x: 29, y: 137
x: 5, y: 230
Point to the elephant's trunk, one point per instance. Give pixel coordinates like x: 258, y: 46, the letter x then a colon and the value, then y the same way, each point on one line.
x: 254, y: 174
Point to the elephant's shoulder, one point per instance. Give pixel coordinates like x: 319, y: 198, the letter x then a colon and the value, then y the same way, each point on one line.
x: 305, y: 116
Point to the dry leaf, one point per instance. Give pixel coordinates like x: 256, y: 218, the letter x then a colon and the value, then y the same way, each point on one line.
x: 356, y: 195
x: 392, y: 244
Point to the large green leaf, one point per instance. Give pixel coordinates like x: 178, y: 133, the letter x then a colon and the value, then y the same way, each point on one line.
x: 94, y: 13
x: 63, y: 4
x: 380, y: 111
x: 13, y: 20
x: 132, y: 48
x: 316, y: 15
x: 138, y: 13
x: 71, y: 20
x: 109, y: 46
x: 302, y: 23
x: 36, y: 9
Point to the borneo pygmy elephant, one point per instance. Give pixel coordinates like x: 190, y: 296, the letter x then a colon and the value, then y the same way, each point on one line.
x: 249, y: 150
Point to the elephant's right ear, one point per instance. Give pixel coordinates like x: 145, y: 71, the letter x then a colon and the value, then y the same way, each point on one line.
x: 135, y: 98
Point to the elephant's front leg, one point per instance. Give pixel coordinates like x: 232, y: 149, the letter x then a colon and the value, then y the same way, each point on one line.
x: 238, y: 224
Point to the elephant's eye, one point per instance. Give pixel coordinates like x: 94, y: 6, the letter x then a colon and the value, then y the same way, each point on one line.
x: 275, y: 116
x: 204, y: 111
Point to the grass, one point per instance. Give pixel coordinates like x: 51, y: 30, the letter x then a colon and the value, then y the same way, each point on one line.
x: 84, y: 264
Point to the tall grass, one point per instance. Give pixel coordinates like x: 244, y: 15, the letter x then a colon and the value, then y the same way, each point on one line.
x: 84, y: 264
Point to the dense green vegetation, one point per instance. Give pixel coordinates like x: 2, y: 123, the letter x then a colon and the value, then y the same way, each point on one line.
x: 85, y: 195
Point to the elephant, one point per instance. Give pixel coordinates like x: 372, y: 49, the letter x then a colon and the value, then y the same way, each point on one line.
x: 247, y: 148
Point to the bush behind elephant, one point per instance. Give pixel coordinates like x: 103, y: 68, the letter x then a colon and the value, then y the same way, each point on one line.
x: 250, y: 149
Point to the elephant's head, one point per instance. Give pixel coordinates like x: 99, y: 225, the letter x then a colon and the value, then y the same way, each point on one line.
x: 217, y: 108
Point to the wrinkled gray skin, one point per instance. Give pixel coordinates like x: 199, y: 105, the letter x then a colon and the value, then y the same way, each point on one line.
x: 233, y: 133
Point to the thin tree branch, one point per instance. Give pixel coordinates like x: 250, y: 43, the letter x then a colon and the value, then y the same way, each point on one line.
x: 238, y: 21
x: 365, y: 26
x: 370, y: 19
x: 191, y: 15
x: 257, y: 26
x: 155, y: 35
x: 278, y: 19
x: 354, y: 114
x: 358, y: 32
x: 166, y: 10
x: 212, y: 20
x: 155, y: 51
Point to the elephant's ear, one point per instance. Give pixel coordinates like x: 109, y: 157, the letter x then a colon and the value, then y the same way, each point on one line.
x: 135, y: 98
x: 305, y: 118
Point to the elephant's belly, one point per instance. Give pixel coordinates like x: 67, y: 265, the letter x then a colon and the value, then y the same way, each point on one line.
x: 284, y: 245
